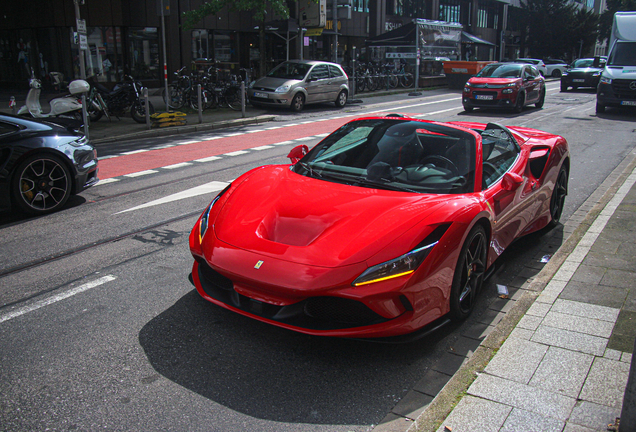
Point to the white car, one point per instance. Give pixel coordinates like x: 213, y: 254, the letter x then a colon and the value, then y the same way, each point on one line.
x: 555, y: 67
x: 537, y: 63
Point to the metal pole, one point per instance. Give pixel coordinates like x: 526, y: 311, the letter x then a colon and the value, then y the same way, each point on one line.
x: 335, y: 29
x: 82, y: 72
x: 353, y: 65
x: 243, y: 98
x: 147, y: 105
x: 199, y: 100
x: 165, y: 55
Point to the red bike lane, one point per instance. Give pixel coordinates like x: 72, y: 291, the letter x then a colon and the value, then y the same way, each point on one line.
x: 152, y: 159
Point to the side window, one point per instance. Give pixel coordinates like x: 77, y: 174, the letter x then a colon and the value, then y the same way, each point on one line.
x: 500, y: 153
x: 335, y: 72
x: 320, y: 72
x: 6, y: 129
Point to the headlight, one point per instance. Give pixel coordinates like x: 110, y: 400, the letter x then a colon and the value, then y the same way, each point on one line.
x: 402, y: 265
x: 251, y: 84
x: 203, y: 222
x: 564, y: 73
x: 282, y: 89
x: 507, y: 91
x: 596, y: 74
x: 605, y: 80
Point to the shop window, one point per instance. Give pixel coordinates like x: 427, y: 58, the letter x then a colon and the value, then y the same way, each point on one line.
x: 143, y: 52
x: 104, y: 58
x: 202, y: 44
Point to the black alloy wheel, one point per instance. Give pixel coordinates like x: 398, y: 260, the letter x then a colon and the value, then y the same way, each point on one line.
x: 521, y: 101
x: 541, y: 100
x: 41, y: 184
x: 138, y: 111
x: 557, y: 200
x: 469, y: 274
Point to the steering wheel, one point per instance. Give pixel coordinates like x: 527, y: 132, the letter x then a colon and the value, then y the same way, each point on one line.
x: 445, y: 163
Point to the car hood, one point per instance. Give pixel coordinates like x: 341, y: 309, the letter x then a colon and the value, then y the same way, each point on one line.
x: 493, y: 81
x: 274, y: 83
x: 584, y: 70
x: 281, y: 214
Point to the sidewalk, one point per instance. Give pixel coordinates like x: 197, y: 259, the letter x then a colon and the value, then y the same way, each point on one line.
x: 568, y: 346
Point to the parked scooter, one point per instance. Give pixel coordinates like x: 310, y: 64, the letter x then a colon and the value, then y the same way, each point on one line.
x: 65, y: 106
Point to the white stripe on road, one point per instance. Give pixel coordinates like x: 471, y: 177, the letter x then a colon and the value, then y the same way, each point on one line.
x: 141, y: 173
x: 196, y: 191
x: 177, y: 165
x: 56, y: 298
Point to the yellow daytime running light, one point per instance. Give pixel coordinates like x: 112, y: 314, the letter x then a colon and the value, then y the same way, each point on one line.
x: 384, y: 278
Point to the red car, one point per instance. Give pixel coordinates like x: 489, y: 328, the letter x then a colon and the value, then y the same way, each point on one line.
x: 505, y: 85
x: 387, y: 225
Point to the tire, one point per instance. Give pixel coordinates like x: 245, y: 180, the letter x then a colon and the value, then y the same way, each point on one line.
x: 521, y: 101
x: 41, y: 184
x: 177, y: 97
x: 541, y: 101
x: 94, y: 115
x: 341, y: 100
x: 393, y: 81
x: 468, y: 108
x: 138, y: 111
x: 469, y: 274
x: 298, y: 102
x: 556, y: 73
x: 600, y: 108
x: 407, y: 80
x: 564, y: 88
x: 557, y: 199
x: 233, y: 98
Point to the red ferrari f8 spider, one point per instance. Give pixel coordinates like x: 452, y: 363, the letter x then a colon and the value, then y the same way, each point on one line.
x: 385, y: 226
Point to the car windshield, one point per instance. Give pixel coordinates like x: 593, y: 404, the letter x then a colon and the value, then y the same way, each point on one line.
x: 395, y: 154
x: 623, y: 54
x: 501, y: 71
x: 583, y: 63
x: 290, y: 70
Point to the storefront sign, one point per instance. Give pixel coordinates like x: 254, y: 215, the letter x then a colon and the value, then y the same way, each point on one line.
x: 401, y: 55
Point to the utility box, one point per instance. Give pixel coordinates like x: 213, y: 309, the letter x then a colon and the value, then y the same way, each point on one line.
x: 458, y: 72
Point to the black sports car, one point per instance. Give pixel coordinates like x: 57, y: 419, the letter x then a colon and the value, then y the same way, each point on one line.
x: 42, y: 164
x: 585, y: 72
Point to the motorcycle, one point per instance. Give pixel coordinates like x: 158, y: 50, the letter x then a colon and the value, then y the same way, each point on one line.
x: 65, y: 106
x: 126, y: 96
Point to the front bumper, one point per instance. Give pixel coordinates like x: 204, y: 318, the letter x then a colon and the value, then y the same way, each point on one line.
x: 616, y: 94
x: 269, y: 98
x: 580, y: 81
x: 489, y: 99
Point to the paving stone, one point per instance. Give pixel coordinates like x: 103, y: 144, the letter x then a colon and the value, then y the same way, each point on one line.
x: 464, y: 346
x: 432, y: 382
x: 526, y: 421
x: 589, y: 274
x: 579, y: 324
x: 393, y: 423
x: 630, y: 301
x: 593, y: 416
x: 586, y: 310
x: 538, y: 309
x: 605, y: 246
x: 570, y: 340
x: 475, y: 414
x: 490, y: 317
x: 626, y: 357
x: 449, y: 363
x: 618, y: 278
x: 412, y: 404
x: 509, y: 364
x: 612, y: 354
x: 522, y: 396
x: 478, y: 331
x: 562, y: 371
x: 502, y: 305
x: 624, y: 333
x: 605, y: 384
x: 571, y: 427
x: 609, y: 261
x: 593, y: 293
x: 529, y: 322
x: 521, y: 333
x: 621, y: 342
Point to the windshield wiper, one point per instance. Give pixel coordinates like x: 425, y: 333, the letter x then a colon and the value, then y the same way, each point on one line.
x: 383, y: 184
x: 309, y: 169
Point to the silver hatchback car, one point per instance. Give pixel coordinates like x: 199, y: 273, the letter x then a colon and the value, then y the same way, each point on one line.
x: 295, y: 83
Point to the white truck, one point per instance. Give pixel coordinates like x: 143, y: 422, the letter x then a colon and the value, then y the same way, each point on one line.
x: 617, y: 86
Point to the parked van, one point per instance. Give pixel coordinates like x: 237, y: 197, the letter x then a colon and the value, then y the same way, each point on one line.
x: 617, y: 86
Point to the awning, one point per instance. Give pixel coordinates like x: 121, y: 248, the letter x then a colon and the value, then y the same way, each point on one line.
x: 401, y: 36
x: 472, y: 39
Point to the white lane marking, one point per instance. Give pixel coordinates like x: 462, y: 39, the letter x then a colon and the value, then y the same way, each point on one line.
x: 211, y: 138
x: 275, y: 127
x: 322, y: 135
x: 56, y: 298
x: 106, y: 181
x: 283, y: 143
x: 141, y: 173
x: 187, y: 142
x: 177, y: 165
x: 233, y: 134
x: 305, y: 138
x: 208, y: 159
x: 135, y: 152
x: 263, y: 147
x: 196, y: 191
x: 108, y: 157
x: 161, y: 147
x: 237, y: 153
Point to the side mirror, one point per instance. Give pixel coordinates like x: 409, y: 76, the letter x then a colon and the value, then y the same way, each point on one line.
x: 297, y: 153
x: 511, y: 181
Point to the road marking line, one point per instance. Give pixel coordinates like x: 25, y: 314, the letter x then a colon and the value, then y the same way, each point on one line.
x: 263, y: 147
x: 141, y: 173
x: 177, y: 165
x: 56, y: 298
x: 208, y: 159
x: 233, y: 134
x: 283, y: 143
x: 135, y: 152
x: 108, y: 180
x: 196, y: 191
x: 187, y: 142
x: 275, y: 127
x: 237, y: 153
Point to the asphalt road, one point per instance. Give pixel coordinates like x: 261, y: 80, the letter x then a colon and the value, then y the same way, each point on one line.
x: 100, y: 328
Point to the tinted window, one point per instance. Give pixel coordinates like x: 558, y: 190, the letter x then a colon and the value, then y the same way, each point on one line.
x: 335, y: 71
x: 623, y: 54
x: 320, y: 72
x: 500, y: 151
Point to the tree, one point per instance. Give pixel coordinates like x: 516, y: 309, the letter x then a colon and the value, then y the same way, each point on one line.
x: 549, y: 24
x: 260, y: 8
x: 607, y: 17
x: 584, y: 32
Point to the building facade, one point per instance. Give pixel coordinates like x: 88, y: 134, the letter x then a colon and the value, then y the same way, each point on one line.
x: 125, y: 36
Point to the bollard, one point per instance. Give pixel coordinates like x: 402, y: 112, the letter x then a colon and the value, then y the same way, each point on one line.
x: 146, y: 102
x: 12, y: 105
x: 200, y: 107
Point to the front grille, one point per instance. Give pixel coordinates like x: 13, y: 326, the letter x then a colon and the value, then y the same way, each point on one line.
x: 262, y: 100
x: 622, y: 90
x: 315, y: 313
